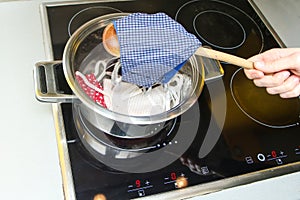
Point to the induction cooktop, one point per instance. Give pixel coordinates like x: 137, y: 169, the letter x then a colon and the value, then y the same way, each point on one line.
x: 235, y: 134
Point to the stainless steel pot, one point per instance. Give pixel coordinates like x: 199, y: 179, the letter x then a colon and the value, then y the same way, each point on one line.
x: 79, y: 52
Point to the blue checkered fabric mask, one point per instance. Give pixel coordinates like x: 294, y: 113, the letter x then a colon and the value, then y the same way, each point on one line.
x: 153, y: 47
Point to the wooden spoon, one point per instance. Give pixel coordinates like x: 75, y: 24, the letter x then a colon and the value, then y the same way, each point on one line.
x: 111, y: 44
x: 110, y: 40
x: 217, y: 55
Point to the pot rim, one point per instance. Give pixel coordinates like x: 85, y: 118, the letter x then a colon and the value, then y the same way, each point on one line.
x: 69, y: 54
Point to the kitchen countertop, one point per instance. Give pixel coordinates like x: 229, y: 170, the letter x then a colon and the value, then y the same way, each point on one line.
x: 283, y: 17
x: 28, y: 151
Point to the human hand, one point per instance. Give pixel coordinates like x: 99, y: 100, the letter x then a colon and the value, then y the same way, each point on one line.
x: 278, y: 70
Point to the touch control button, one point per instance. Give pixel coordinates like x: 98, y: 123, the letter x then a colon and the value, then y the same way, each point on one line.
x: 261, y: 157
x: 249, y: 160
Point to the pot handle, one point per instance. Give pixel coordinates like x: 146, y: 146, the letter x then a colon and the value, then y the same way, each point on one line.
x: 212, y: 68
x: 50, y: 83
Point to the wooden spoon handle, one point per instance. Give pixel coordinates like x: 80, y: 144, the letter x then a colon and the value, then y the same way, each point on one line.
x: 217, y: 55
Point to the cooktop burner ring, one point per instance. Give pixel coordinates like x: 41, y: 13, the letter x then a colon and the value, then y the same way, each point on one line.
x: 235, y: 32
x: 241, y: 33
x: 239, y: 84
x: 169, y: 146
x: 87, y: 14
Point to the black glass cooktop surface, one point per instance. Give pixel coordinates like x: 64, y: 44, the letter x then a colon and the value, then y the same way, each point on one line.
x: 233, y: 129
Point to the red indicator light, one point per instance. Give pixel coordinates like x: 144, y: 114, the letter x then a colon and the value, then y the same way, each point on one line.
x: 137, y: 183
x: 274, y: 155
x: 173, y: 176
